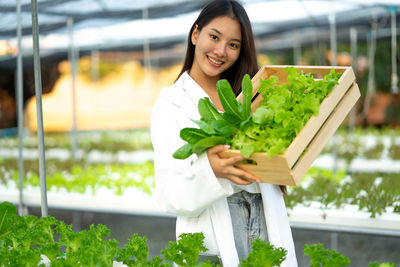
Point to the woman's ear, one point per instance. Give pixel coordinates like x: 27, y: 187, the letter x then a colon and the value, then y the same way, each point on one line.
x: 195, y: 34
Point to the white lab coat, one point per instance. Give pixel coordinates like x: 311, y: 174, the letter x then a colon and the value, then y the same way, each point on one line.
x: 189, y: 189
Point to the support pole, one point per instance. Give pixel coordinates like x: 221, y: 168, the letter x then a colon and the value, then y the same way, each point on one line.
x: 371, y: 67
x: 20, y: 103
x: 334, y: 241
x: 333, y: 45
x: 297, y: 51
x: 146, y: 49
x: 94, y: 65
x: 38, y: 92
x: 332, y: 36
x: 72, y: 62
x: 395, y: 77
x: 353, y: 52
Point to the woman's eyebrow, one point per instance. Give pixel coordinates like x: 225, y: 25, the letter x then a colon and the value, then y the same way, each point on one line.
x: 217, y: 31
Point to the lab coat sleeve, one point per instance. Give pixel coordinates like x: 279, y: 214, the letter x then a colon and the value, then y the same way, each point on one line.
x: 183, y: 187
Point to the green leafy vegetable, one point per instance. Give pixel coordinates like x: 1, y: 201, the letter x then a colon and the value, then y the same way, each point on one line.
x: 383, y: 264
x: 247, y: 90
x: 208, y: 111
x: 183, y: 152
x: 228, y: 101
x: 215, y: 127
x: 7, y: 211
x: 30, y: 238
x: 186, y: 250
x: 324, y: 257
x: 264, y: 254
x: 193, y: 135
x: 283, y: 112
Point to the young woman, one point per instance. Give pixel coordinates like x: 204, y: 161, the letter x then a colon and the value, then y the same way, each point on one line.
x: 207, y: 193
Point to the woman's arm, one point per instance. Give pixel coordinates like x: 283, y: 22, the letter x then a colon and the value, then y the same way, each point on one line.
x: 183, y: 187
x: 187, y: 187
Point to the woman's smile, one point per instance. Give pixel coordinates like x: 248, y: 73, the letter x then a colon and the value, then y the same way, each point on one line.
x: 215, y: 61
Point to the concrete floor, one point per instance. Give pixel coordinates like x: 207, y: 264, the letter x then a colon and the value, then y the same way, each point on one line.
x: 360, y: 248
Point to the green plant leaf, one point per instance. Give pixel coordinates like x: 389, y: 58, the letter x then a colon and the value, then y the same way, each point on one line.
x: 186, y: 250
x: 264, y: 254
x: 228, y: 99
x: 247, y: 150
x: 324, y: 257
x: 183, y: 152
x: 262, y: 115
x: 266, y: 85
x: 224, y: 127
x: 247, y: 90
x: 208, y: 111
x: 7, y: 210
x: 192, y: 135
x: 208, y: 142
x: 232, y: 119
x: 135, y: 252
x: 207, y: 128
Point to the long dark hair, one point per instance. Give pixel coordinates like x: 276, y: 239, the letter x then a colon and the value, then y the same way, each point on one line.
x: 247, y: 60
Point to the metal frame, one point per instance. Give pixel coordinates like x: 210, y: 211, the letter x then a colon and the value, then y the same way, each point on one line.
x: 20, y: 110
x: 39, y: 112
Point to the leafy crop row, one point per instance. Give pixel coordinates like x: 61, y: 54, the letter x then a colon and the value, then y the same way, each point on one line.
x: 120, y: 140
x: 371, y: 192
x: 28, y: 240
x: 350, y: 146
x: 82, y: 178
x: 31, y: 241
x: 375, y: 193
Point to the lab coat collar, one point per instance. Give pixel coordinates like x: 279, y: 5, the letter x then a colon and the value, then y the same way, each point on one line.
x: 192, y: 87
x: 192, y: 94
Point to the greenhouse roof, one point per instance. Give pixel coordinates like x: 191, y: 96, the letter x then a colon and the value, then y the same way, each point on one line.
x: 126, y: 24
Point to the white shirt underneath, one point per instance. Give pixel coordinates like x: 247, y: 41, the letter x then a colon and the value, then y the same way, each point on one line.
x: 251, y: 188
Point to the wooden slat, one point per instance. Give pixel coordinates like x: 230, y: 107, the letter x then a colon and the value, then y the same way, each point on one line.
x: 288, y: 168
x: 314, y: 123
x: 273, y: 170
x: 310, y: 129
x: 326, y: 132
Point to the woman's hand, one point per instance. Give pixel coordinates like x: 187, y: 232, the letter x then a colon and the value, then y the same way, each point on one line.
x: 224, y: 167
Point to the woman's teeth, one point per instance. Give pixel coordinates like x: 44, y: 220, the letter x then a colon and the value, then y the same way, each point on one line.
x: 214, y: 61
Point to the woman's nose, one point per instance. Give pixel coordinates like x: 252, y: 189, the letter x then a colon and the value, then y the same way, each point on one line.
x: 220, y: 49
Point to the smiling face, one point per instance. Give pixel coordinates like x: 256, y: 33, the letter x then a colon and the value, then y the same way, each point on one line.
x: 217, y: 47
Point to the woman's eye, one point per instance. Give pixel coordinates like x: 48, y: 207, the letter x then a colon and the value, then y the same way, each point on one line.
x: 234, y: 45
x: 214, y: 37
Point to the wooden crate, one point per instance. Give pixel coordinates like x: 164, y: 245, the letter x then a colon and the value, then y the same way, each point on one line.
x: 289, y: 168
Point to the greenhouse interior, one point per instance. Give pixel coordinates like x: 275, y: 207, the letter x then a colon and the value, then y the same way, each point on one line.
x: 78, y: 81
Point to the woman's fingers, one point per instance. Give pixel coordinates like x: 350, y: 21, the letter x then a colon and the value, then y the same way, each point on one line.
x: 225, y: 167
x: 233, y: 160
x: 242, y: 174
x: 218, y: 149
x: 238, y: 180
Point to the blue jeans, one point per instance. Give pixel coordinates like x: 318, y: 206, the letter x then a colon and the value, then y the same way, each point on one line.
x: 248, y: 220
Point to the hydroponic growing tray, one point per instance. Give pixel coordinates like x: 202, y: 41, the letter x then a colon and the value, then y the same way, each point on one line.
x: 289, y: 168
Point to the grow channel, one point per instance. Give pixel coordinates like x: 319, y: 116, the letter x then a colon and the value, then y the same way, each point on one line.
x: 323, y: 198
